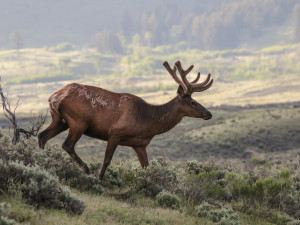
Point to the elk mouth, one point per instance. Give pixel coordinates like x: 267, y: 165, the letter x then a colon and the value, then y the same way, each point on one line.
x: 207, y: 116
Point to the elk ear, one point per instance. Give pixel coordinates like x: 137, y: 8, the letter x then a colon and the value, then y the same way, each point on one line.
x: 180, y: 91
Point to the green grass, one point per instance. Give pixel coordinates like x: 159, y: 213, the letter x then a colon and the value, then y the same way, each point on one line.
x: 102, y: 210
x: 41, y: 65
x: 19, y: 210
x: 106, y: 210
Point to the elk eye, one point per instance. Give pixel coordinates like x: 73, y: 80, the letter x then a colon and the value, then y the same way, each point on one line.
x: 194, y: 103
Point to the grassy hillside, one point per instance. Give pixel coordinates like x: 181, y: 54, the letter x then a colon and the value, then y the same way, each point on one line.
x: 231, y: 132
x: 46, y: 187
x: 71, y: 63
x: 107, y: 210
x: 242, y: 77
x: 248, y: 150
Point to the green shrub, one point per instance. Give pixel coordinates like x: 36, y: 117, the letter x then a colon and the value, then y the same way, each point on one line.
x: 202, y: 181
x: 194, y: 167
x: 158, y: 176
x: 4, y: 209
x: 5, y: 221
x: 168, y: 200
x: 19, y: 210
x: 62, y: 47
x: 221, y: 216
x: 294, y: 222
x: 37, y: 187
x: 270, y: 191
x: 55, y: 161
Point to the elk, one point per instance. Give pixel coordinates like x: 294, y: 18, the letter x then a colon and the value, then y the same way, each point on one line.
x: 120, y: 118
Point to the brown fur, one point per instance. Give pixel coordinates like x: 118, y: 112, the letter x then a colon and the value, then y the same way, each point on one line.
x: 118, y: 118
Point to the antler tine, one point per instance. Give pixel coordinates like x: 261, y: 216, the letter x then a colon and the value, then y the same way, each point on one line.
x: 197, y: 78
x: 172, y: 72
x: 203, y: 88
x: 203, y: 83
x: 189, y: 69
x: 183, y: 74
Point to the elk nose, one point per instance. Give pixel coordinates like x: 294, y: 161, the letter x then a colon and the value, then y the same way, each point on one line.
x: 207, y: 116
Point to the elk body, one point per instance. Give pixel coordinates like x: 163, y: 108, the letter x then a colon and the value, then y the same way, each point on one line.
x: 120, y: 118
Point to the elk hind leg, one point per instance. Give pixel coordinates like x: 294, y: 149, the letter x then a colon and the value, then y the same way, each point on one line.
x: 74, y: 134
x: 56, y: 127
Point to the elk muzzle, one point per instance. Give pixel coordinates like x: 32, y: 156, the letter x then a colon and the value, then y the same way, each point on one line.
x: 206, y: 116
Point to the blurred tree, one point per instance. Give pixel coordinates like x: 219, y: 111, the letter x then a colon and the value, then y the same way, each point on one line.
x: 17, y: 40
x: 155, y: 27
x: 148, y: 38
x: 136, y: 41
x: 144, y: 23
x: 97, y: 66
x: 296, y: 20
x: 127, y: 25
x: 186, y: 31
x: 64, y: 64
x: 107, y: 42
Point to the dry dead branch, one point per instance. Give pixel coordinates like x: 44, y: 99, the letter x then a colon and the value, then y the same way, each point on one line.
x: 34, y: 125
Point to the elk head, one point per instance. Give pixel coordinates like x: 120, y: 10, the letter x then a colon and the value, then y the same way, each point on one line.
x: 190, y: 107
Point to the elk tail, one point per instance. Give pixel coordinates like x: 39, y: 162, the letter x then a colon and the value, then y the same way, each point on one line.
x: 54, y: 103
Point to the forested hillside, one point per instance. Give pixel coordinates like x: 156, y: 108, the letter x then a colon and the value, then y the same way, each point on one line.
x: 219, y: 24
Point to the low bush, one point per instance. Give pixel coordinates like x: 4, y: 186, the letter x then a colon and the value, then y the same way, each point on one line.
x: 4, y: 209
x: 55, y: 161
x: 259, y: 186
x: 19, y: 211
x: 158, y: 176
x: 202, y: 181
x: 271, y: 191
x: 168, y: 200
x: 37, y: 187
x: 221, y: 216
x: 294, y: 222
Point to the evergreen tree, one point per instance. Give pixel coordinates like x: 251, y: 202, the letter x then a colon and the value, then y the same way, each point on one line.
x: 107, y: 42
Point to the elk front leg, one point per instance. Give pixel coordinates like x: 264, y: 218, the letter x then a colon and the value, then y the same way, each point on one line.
x: 111, y: 146
x: 142, y: 155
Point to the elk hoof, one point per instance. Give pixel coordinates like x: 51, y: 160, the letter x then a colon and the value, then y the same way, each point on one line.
x: 86, y: 169
x: 41, y: 144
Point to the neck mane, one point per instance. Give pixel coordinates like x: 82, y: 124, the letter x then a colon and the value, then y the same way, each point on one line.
x: 165, y: 117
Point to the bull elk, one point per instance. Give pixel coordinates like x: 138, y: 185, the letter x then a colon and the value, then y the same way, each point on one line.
x: 120, y: 118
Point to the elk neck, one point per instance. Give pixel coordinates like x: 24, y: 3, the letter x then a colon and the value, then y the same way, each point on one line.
x: 165, y: 117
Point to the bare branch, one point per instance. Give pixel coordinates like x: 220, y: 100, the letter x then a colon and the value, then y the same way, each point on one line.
x: 11, y: 116
x: 35, y: 125
x: 17, y: 104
